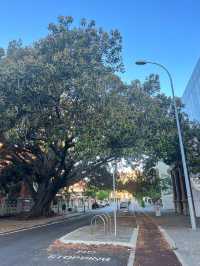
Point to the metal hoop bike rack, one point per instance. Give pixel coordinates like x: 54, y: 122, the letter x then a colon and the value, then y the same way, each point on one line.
x: 105, y: 218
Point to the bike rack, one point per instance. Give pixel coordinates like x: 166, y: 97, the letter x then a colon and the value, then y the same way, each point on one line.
x: 105, y: 218
x: 109, y: 221
x: 94, y: 219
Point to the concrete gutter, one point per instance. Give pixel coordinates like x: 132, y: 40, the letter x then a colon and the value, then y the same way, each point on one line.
x: 131, y: 258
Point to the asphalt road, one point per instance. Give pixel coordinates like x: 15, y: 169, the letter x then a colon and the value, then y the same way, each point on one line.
x: 31, y: 247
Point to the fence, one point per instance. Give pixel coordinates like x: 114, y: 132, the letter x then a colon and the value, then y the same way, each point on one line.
x: 13, y: 207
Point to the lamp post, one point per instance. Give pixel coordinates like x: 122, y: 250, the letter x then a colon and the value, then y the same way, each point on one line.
x: 187, y: 181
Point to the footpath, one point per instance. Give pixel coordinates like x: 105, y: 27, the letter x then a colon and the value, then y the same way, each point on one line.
x: 182, y: 238
x: 152, y: 248
x: 12, y: 224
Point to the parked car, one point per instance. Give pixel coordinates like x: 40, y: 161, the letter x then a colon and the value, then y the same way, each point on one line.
x: 103, y: 203
x: 95, y: 205
x: 124, y: 205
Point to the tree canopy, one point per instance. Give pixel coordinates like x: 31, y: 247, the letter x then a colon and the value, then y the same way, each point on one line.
x: 61, y: 110
x: 65, y: 113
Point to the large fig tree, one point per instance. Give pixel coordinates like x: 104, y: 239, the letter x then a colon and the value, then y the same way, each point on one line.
x: 62, y: 110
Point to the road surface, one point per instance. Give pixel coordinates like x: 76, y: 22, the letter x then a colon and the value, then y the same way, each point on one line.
x: 31, y: 247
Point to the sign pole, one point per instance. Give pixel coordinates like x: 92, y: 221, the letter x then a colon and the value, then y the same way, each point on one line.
x: 115, y: 204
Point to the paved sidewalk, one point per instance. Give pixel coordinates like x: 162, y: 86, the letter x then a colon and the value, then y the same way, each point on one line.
x: 152, y: 249
x: 11, y: 224
x: 182, y: 237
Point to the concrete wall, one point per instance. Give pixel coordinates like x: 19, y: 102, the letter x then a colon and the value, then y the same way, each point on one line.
x: 196, y: 197
x: 167, y: 196
x: 168, y: 201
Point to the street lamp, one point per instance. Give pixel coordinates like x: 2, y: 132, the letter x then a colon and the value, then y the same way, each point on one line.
x: 187, y: 181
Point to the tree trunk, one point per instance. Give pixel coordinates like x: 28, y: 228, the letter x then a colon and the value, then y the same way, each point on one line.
x: 42, y: 204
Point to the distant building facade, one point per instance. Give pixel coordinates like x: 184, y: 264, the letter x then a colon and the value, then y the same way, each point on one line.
x: 191, y: 95
x: 167, y: 194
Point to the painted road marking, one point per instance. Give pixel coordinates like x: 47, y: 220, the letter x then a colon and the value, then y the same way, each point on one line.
x: 85, y: 252
x: 79, y: 257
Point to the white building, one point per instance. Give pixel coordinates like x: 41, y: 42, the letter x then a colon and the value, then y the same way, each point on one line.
x: 167, y: 195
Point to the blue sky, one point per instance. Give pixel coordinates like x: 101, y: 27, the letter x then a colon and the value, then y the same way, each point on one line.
x: 166, y: 31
